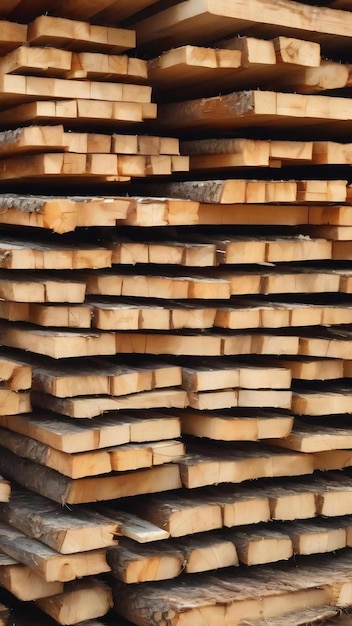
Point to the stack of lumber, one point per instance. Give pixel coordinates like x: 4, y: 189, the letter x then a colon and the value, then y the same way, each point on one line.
x: 279, y: 244
x: 175, y: 355
x: 70, y: 72
x: 48, y: 153
x: 63, y: 77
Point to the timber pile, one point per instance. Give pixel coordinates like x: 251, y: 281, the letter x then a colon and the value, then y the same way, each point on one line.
x: 187, y: 344
x: 72, y: 73
x: 268, y: 255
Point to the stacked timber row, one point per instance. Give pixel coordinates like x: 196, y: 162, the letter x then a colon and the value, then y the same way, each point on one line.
x: 279, y: 243
x: 189, y: 340
x: 71, y: 99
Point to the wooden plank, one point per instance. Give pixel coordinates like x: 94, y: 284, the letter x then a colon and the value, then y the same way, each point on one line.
x: 178, y: 514
x: 74, y: 316
x: 244, y: 109
x: 210, y: 344
x: 281, y: 49
x: 24, y: 583
x: 332, y: 346
x: 133, y: 564
x: 190, y: 71
x: 229, y: 506
x: 332, y: 497
x: 169, y: 251
x: 65, y: 490
x: 59, y: 214
x: 237, y: 425
x: 213, y: 374
x: 58, y: 344
x: 83, y: 407
x: 314, y: 537
x: 312, y: 438
x: 66, y: 531
x: 140, y: 563
x: 46, y: 562
x: 267, y: 544
x: 237, y: 250
x: 49, y: 166
x: 330, y: 152
x: 12, y: 36
x: 332, y: 460
x: 134, y: 315
x: 246, y: 152
x: 130, y: 144
x: 227, y: 398
x: 197, y: 23
x: 79, y: 465
x: 256, y: 546
x: 329, y: 500
x: 243, y: 462
x: 40, y: 255
x: 81, y: 600
x: 320, y: 494
x: 332, y: 400
x: 39, y: 61
x: 68, y: 436
x: 79, y: 112
x: 95, y: 66
x: 18, y: 89
x: 232, y: 191
x: 216, y: 598
x: 37, y: 287
x: 80, y: 36
x: 207, y: 552
x: 193, y: 69
x: 60, y: 433
x: 255, y: 314
x: 103, y: 377
x: 32, y: 139
x: 138, y: 456
x: 211, y: 214
x: 306, y: 368
x: 65, y: 215
x: 156, y: 285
